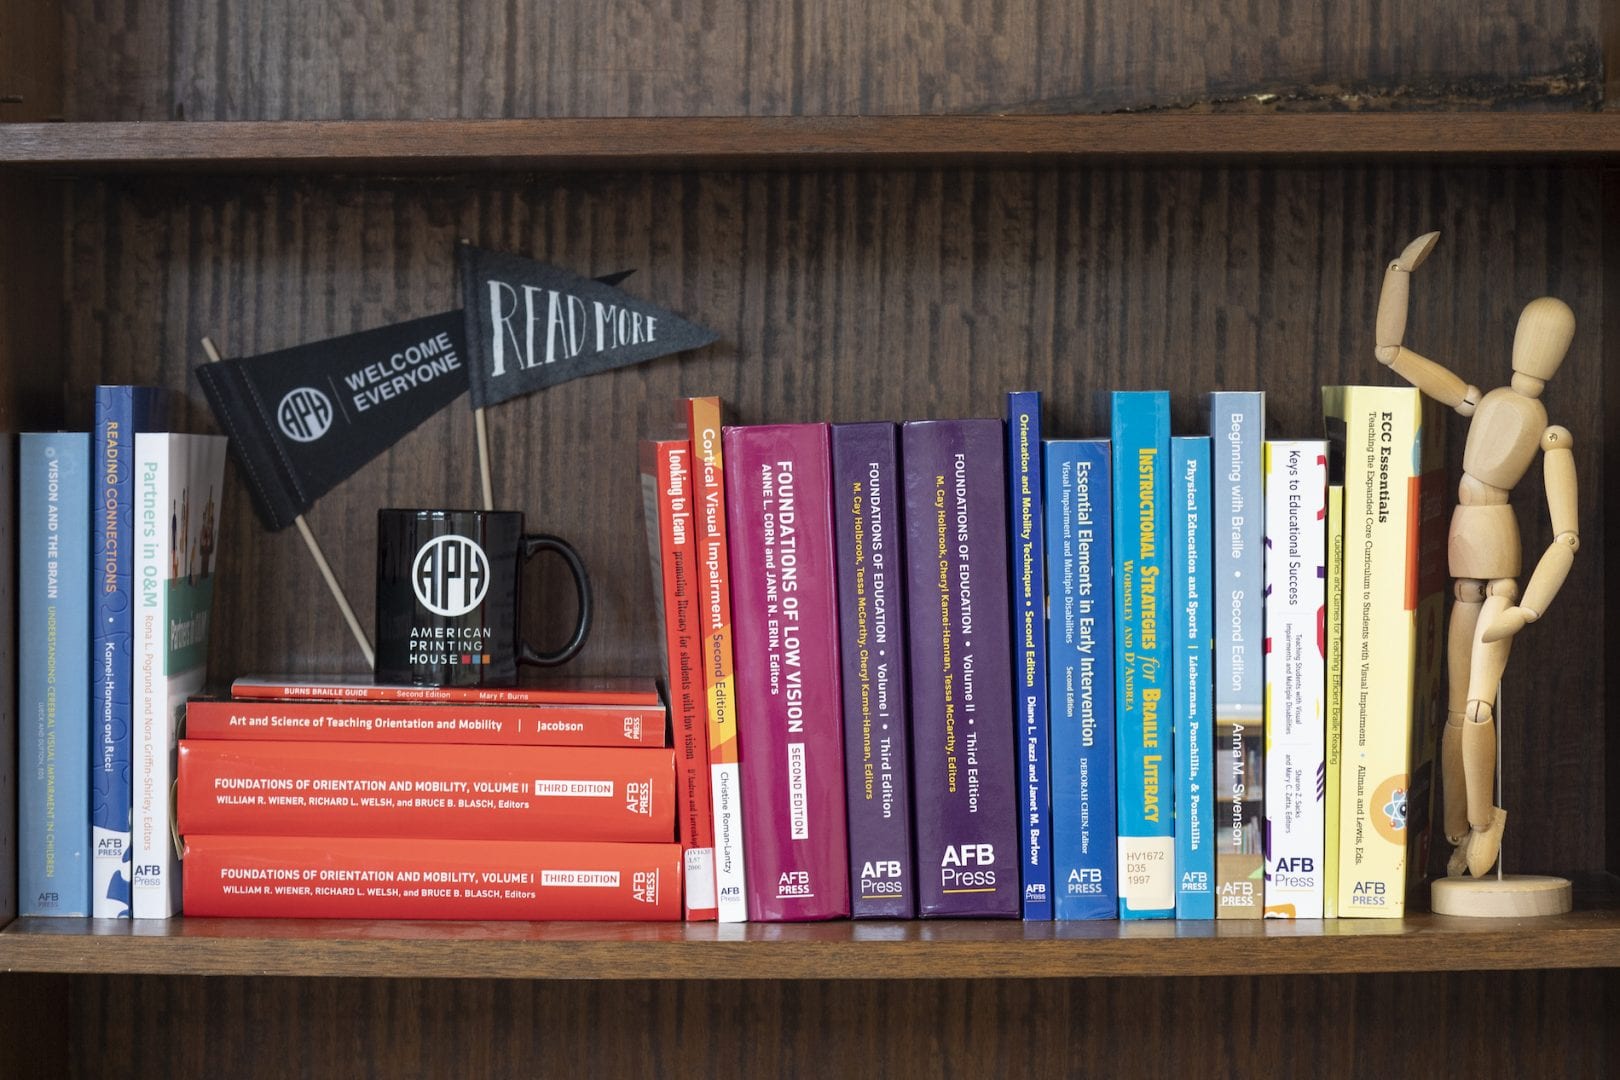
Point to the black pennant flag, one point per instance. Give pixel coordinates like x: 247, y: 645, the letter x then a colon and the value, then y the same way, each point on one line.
x: 304, y: 419
x: 531, y: 325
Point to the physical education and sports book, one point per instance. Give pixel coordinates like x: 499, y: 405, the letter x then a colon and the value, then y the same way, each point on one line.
x: 344, y: 878
x: 962, y: 728
x: 1192, y: 678
x: 1027, y: 545
x: 703, y: 421
x: 1394, y: 527
x: 785, y: 607
x: 1296, y: 675
x: 1080, y: 665
x: 120, y: 412
x: 1334, y: 624
x: 546, y: 690
x: 667, y: 508
x: 872, y: 619
x: 363, y: 721
x: 1144, y: 700
x: 447, y: 792
x: 1237, y: 429
x: 53, y: 674
x: 179, y: 480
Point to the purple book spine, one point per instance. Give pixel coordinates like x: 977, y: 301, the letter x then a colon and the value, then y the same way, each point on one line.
x: 789, y: 726
x: 871, y: 613
x: 961, y: 669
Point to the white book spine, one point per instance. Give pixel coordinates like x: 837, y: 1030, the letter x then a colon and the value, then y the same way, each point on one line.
x: 1296, y: 673
x: 154, y: 860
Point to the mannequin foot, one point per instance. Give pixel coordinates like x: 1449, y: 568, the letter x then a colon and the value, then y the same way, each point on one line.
x: 1478, y: 851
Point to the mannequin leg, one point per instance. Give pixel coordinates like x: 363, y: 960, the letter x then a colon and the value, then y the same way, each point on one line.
x: 1485, y: 820
x: 1469, y: 596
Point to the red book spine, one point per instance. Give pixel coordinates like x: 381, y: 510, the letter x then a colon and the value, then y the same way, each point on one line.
x: 666, y: 477
x: 404, y: 722
x: 299, y: 877
x: 227, y: 787
x: 606, y: 690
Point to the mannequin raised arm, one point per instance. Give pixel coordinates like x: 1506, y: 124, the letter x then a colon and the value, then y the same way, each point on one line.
x: 1431, y: 378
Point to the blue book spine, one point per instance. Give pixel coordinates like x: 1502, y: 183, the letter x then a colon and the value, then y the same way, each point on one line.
x: 1080, y: 565
x: 53, y: 675
x: 1027, y: 531
x: 1144, y: 697
x: 1194, y: 658
x: 120, y: 412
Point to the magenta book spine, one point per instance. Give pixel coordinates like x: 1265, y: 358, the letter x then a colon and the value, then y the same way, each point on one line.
x: 789, y: 722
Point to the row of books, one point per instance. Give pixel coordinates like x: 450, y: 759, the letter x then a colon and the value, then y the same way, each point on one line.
x: 951, y: 668
x: 343, y: 799
x: 117, y: 536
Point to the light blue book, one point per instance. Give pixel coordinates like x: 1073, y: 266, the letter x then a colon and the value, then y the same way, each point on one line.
x: 1080, y: 668
x: 1237, y: 430
x: 53, y: 674
x: 1194, y: 658
x: 1027, y: 547
x: 1144, y: 700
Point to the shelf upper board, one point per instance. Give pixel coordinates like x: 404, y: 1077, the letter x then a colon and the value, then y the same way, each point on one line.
x: 1588, y: 937
x: 794, y: 142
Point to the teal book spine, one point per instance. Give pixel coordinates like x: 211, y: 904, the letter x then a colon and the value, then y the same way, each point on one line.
x: 1144, y: 696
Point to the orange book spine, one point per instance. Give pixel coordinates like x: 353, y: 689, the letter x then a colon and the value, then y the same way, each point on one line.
x: 704, y: 419
x: 667, y: 467
x: 258, y: 788
x: 300, y: 877
x: 422, y: 722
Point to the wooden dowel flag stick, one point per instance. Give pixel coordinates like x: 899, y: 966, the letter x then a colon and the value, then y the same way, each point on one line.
x: 488, y: 485
x: 320, y: 557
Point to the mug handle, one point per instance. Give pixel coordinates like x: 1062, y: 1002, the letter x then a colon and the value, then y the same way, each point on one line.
x: 532, y: 546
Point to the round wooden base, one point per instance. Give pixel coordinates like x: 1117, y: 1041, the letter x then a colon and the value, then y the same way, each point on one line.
x: 1513, y: 896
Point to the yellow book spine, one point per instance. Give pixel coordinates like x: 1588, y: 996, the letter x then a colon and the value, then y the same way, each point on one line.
x: 1381, y: 474
x: 1334, y: 624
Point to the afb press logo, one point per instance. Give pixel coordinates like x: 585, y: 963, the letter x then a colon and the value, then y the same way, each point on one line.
x: 305, y: 414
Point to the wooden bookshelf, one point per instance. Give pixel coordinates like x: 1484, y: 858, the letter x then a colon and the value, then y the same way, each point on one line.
x: 1586, y: 938
x: 775, y: 142
x: 887, y: 213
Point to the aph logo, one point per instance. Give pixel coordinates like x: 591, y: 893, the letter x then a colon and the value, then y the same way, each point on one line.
x: 305, y: 414
x: 450, y: 575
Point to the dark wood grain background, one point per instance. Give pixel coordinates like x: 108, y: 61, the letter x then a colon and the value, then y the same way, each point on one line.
x: 240, y: 59
x: 859, y: 295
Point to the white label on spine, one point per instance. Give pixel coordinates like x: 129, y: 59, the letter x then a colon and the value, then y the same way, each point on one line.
x: 798, y: 795
x: 1147, y: 879
x: 700, y: 879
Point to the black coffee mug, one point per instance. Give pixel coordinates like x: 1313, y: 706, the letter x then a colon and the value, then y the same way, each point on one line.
x: 448, y: 588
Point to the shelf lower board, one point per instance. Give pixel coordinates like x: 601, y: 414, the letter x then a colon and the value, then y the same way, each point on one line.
x: 1588, y: 937
x: 695, y: 142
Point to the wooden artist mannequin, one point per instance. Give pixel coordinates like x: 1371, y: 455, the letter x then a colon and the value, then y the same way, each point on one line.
x: 1507, y: 426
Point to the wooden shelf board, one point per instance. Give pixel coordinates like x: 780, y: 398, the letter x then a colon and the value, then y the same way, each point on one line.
x: 776, y: 142
x: 1587, y: 937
